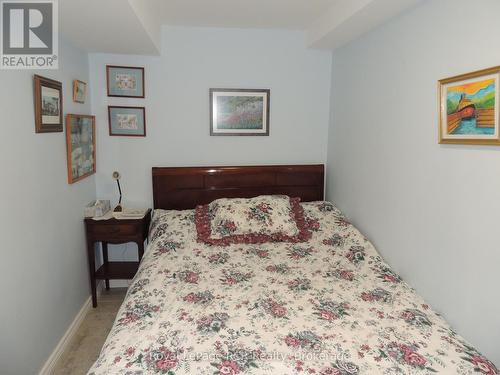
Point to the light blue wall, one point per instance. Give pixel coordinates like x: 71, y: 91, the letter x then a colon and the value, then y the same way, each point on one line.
x: 433, y: 211
x: 177, y: 106
x: 44, y: 263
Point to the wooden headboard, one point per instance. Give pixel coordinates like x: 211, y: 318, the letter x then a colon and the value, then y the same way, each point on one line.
x: 181, y: 188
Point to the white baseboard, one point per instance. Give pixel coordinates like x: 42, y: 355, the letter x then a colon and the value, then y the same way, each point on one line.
x: 49, y: 365
x: 62, y: 345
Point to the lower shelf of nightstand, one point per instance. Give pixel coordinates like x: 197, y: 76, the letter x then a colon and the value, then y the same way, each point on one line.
x: 117, y: 270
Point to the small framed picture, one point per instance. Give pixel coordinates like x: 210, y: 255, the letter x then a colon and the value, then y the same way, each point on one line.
x: 125, y: 81
x: 48, y: 105
x: 79, y: 91
x: 469, y: 112
x: 127, y: 121
x: 239, y: 111
x: 80, y: 145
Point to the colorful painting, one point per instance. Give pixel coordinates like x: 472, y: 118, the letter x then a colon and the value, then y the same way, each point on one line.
x: 469, y: 108
x: 127, y: 121
x: 80, y: 143
x: 239, y: 112
x: 125, y: 81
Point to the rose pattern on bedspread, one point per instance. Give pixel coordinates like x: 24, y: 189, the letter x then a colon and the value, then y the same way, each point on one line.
x: 329, y: 306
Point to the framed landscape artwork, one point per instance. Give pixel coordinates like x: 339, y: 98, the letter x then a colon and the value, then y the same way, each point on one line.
x: 239, y: 111
x: 469, y: 112
x: 48, y: 105
x: 127, y: 121
x: 79, y: 91
x: 125, y: 81
x: 80, y: 144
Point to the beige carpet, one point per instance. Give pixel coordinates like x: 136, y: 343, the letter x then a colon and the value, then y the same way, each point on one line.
x: 86, y: 345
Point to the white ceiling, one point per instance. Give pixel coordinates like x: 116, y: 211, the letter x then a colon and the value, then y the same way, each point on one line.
x: 104, y: 26
x: 266, y: 14
x: 134, y: 26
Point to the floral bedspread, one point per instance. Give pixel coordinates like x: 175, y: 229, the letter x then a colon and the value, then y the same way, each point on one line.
x: 329, y: 306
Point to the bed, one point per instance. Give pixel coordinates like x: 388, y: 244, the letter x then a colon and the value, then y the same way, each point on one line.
x: 328, y: 306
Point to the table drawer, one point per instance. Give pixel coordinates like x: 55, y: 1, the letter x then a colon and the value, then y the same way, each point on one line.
x: 111, y: 230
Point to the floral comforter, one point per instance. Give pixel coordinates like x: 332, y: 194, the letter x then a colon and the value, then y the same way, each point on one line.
x: 330, y: 306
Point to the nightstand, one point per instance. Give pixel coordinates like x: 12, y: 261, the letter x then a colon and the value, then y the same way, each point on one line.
x: 116, y: 232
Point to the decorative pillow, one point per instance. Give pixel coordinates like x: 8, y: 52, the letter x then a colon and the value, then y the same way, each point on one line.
x: 267, y: 218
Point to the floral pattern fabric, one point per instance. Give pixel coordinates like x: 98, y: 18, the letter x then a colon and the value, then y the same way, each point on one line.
x: 330, y: 306
x: 266, y: 218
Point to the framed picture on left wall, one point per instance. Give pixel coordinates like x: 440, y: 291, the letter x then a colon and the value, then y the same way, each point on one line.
x: 79, y: 91
x: 48, y: 105
x: 80, y: 144
x: 125, y: 81
x: 127, y: 121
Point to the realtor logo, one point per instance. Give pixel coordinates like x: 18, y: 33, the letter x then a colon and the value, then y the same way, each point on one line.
x: 29, y: 34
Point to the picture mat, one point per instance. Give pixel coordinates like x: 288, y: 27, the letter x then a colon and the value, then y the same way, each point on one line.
x: 218, y: 94
x: 137, y: 113
x: 444, y: 114
x: 53, y: 95
x: 113, y: 82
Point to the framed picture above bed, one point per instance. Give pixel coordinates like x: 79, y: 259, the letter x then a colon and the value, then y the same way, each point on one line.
x: 127, y: 121
x: 469, y: 109
x: 239, y: 111
x: 80, y: 145
x: 125, y: 81
x: 48, y: 105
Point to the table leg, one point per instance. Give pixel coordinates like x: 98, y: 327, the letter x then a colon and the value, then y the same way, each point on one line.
x: 105, y: 259
x: 91, y: 258
x: 140, y: 246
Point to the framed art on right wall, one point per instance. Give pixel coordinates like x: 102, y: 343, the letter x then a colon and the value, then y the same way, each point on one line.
x: 469, y: 108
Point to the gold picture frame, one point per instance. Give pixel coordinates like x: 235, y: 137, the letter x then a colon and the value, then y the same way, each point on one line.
x: 80, y: 146
x: 469, y: 108
x: 79, y: 91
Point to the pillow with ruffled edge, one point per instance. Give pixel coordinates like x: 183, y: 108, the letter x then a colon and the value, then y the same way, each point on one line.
x: 206, y: 216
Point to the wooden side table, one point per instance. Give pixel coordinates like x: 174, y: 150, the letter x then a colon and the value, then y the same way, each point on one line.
x: 116, y: 232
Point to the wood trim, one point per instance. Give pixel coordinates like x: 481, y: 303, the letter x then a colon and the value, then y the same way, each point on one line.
x: 185, y: 187
x: 69, y: 149
x: 125, y: 67
x: 268, y: 104
x: 461, y: 77
x: 38, y: 82
x: 126, y: 135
